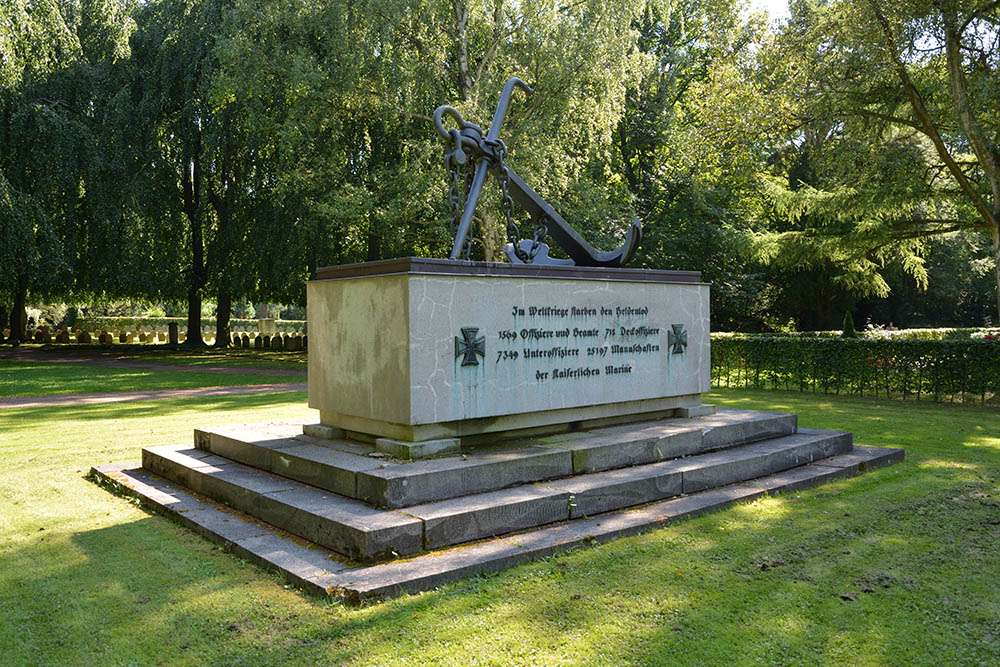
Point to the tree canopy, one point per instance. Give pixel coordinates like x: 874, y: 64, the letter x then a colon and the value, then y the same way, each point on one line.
x: 208, y: 149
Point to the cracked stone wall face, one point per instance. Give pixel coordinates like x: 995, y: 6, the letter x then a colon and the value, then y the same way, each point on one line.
x: 359, y: 354
x: 549, y: 344
x: 420, y: 349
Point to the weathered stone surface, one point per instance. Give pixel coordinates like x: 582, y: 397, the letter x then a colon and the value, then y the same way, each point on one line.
x: 178, y: 463
x: 321, y: 431
x: 347, y: 526
x: 702, y: 502
x: 754, y: 460
x: 633, y: 444
x: 245, y: 445
x: 796, y: 479
x: 161, y: 493
x: 493, y: 513
x: 433, y: 570
x: 393, y: 362
x: 320, y: 466
x: 344, y: 525
x: 282, y: 429
x: 340, y: 444
x: 297, y: 562
x: 210, y: 521
x: 614, y: 489
x: 302, y: 565
x: 238, y: 485
x: 404, y: 484
x: 696, y: 411
x: 418, y: 450
x: 730, y: 427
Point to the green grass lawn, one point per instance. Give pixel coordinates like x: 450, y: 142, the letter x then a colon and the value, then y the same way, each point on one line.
x: 18, y: 378
x: 86, y: 576
x: 265, y: 359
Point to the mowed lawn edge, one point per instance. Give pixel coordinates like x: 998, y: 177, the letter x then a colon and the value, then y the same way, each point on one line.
x: 896, y: 566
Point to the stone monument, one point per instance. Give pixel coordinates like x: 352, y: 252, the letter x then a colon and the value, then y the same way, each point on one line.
x: 422, y: 354
x: 525, y: 408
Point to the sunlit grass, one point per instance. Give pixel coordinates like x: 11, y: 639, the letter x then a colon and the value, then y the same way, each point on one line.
x: 251, y: 358
x: 22, y: 378
x: 86, y: 576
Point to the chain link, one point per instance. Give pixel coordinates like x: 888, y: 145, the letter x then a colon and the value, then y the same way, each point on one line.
x: 502, y: 174
x: 455, y: 190
x: 507, y: 210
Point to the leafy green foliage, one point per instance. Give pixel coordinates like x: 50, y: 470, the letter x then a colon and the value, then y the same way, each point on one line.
x: 55, y: 63
x: 890, y: 119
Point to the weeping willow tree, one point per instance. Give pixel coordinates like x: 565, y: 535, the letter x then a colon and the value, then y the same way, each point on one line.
x: 56, y: 59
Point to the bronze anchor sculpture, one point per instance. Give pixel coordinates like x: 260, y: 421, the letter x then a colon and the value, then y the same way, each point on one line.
x: 487, y: 154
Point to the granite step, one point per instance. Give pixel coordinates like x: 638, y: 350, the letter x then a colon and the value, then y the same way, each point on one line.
x: 347, y: 526
x: 323, y: 573
x: 368, y: 534
x: 345, y: 467
x: 476, y: 516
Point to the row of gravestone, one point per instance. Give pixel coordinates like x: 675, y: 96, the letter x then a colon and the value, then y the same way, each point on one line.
x: 275, y: 342
x: 245, y: 340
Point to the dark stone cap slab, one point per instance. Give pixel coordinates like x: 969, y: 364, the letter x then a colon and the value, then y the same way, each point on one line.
x: 454, y: 267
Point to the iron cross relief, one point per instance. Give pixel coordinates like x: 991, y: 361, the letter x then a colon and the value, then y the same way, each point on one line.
x: 677, y: 338
x: 470, y: 346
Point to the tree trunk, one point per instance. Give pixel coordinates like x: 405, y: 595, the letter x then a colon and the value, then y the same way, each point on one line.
x: 222, y: 317
x: 19, y: 316
x: 996, y: 266
x: 374, y: 251
x: 193, y: 335
x: 191, y: 184
x: 460, y: 27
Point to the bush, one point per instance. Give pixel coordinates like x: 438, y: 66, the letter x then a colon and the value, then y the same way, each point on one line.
x: 959, y: 370
x: 849, y: 331
x: 879, y: 333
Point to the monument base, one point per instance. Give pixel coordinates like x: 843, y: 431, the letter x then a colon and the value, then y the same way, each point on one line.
x: 472, y: 432
x: 346, y: 502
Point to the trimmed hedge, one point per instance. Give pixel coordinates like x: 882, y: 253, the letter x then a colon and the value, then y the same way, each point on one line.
x: 945, y: 333
x: 941, y: 370
x: 149, y: 323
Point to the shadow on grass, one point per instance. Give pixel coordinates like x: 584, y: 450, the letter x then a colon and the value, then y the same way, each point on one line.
x: 917, y: 545
x: 763, y: 581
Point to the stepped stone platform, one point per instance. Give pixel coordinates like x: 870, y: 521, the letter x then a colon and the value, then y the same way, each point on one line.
x: 340, y: 518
